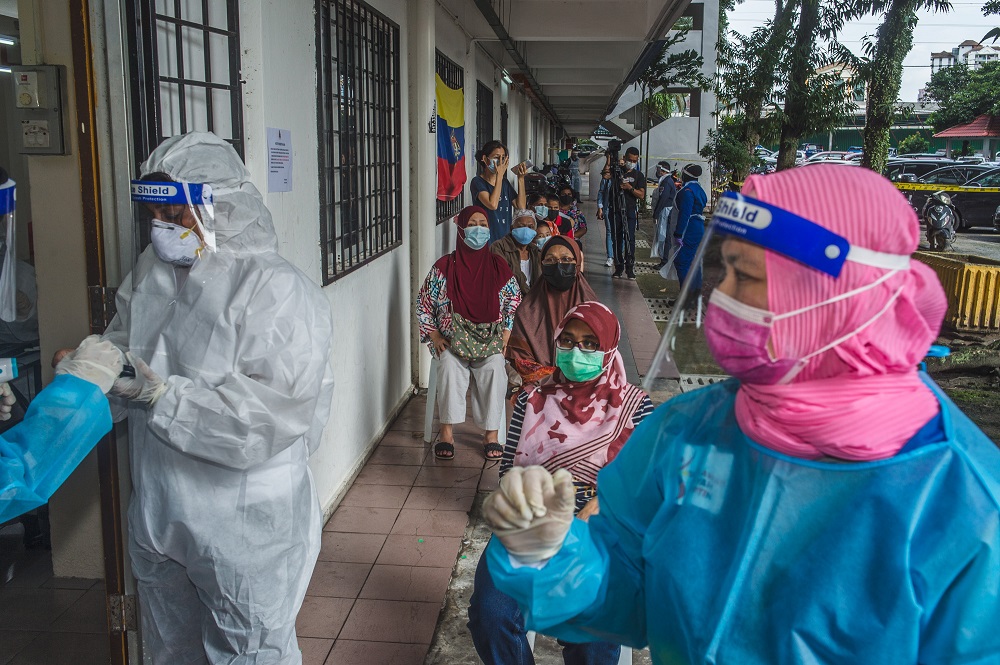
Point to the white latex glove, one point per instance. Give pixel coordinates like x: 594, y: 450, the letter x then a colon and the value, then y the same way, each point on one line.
x: 97, y: 361
x: 146, y: 386
x: 7, y: 401
x: 532, y: 511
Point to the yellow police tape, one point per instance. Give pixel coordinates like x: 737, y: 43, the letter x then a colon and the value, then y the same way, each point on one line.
x: 922, y: 187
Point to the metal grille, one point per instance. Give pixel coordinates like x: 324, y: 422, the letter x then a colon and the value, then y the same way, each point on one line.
x: 484, y: 114
x: 454, y: 77
x: 503, y: 123
x: 360, y: 148
x: 185, y: 70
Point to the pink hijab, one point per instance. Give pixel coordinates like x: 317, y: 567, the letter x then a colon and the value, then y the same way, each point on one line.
x: 862, y: 399
x: 580, y: 427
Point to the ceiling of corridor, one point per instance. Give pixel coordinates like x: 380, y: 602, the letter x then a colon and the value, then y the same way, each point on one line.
x: 579, y: 53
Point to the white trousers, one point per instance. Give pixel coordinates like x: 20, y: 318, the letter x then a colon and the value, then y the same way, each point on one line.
x: 489, y: 387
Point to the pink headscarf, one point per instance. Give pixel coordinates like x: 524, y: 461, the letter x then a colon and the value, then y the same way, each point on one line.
x: 862, y: 399
x: 581, y: 426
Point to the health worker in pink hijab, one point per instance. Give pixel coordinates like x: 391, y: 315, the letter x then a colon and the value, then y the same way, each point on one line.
x: 826, y: 505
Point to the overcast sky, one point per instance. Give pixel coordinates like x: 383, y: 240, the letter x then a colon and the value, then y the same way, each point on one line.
x: 934, y: 32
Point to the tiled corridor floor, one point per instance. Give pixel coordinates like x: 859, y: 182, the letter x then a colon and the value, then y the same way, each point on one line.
x: 390, y: 548
x: 45, y: 620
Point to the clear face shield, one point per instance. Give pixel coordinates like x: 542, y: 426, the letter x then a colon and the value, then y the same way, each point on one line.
x: 727, y: 266
x: 178, y: 216
x: 8, y: 251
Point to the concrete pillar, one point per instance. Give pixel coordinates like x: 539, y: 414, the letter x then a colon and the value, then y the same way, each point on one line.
x: 423, y: 161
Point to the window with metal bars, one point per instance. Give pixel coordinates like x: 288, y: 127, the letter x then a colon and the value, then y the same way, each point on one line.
x: 484, y: 114
x: 184, y: 70
x: 360, y: 137
x: 503, y: 124
x: 454, y: 77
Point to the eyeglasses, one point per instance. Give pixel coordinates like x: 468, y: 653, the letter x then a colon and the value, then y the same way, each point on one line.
x: 565, y: 343
x: 551, y: 261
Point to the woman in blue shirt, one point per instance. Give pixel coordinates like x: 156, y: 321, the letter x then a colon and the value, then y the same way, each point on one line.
x: 491, y: 189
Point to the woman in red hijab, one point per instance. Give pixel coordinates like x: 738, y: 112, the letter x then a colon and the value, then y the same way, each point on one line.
x: 465, y: 310
x: 578, y: 422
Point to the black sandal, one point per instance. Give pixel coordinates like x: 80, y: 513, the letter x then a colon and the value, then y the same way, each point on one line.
x: 493, y: 447
x: 444, y: 450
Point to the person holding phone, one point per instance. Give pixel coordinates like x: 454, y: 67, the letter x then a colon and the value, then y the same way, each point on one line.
x: 492, y: 190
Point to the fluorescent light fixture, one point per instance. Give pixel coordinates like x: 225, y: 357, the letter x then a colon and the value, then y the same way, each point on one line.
x: 4, y: 70
x: 506, y: 77
x: 7, y: 41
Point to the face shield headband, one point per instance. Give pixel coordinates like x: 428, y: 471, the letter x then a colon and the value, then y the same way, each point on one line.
x: 775, y: 229
x: 796, y: 237
x: 196, y: 196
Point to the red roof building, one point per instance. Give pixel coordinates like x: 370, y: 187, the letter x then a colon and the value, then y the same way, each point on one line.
x: 985, y: 128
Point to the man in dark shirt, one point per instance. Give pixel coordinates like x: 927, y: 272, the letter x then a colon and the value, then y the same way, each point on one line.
x: 633, y: 187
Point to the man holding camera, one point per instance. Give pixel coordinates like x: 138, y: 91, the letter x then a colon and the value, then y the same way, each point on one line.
x: 624, y: 210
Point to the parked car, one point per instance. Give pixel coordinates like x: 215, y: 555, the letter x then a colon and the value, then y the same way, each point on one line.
x: 974, y: 206
x: 956, y: 174
x: 910, y: 170
x: 837, y: 162
x: 810, y: 149
x: 856, y: 148
x: 829, y: 156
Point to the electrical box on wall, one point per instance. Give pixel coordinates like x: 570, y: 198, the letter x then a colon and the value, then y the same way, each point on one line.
x: 37, y: 119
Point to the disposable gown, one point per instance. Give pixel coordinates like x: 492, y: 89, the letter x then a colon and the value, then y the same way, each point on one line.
x: 63, y: 424
x: 712, y: 549
x: 224, y: 520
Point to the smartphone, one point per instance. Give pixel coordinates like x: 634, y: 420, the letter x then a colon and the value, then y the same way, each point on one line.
x: 527, y: 164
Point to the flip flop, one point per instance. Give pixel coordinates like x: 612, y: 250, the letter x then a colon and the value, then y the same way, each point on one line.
x: 444, y: 450
x: 493, y: 451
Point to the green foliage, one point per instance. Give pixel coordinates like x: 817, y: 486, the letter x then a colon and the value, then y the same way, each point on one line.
x: 964, y: 94
x: 726, y: 149
x: 681, y: 69
x: 915, y: 143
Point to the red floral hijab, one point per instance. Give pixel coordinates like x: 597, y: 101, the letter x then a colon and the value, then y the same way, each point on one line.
x: 474, y: 277
x: 581, y: 426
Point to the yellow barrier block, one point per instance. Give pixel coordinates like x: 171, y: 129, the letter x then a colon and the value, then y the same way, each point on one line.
x: 922, y: 187
x: 972, y: 284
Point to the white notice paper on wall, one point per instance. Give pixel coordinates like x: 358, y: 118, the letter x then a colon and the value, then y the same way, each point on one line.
x: 279, y: 160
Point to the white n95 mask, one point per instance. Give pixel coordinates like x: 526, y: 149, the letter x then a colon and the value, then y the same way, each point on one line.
x: 175, y: 244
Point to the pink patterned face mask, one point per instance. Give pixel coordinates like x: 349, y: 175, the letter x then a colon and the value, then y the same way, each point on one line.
x: 738, y: 335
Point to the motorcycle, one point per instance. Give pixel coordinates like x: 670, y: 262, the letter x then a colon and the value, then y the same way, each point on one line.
x: 939, y: 216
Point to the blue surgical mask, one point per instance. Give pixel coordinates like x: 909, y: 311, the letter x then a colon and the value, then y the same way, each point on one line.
x: 541, y: 212
x: 524, y: 234
x: 630, y: 165
x: 540, y: 241
x: 476, y: 237
x: 493, y: 165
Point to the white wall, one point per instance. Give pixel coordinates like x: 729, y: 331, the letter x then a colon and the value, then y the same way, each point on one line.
x: 371, y: 306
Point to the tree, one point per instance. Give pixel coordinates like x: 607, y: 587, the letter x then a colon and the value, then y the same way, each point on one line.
x: 963, y: 95
x: 992, y: 7
x: 883, y: 70
x: 915, y: 143
x: 748, y: 80
x: 814, y: 102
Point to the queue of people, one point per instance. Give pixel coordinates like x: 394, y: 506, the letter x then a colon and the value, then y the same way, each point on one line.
x: 827, y: 504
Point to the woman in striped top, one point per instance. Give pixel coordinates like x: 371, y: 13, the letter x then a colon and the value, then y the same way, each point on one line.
x: 578, y: 422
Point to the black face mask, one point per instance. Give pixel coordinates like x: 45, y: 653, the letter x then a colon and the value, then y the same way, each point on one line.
x: 566, y: 200
x: 560, y: 276
x: 553, y: 215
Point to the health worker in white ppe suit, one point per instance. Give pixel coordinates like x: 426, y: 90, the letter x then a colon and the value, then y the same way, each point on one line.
x: 230, y: 345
